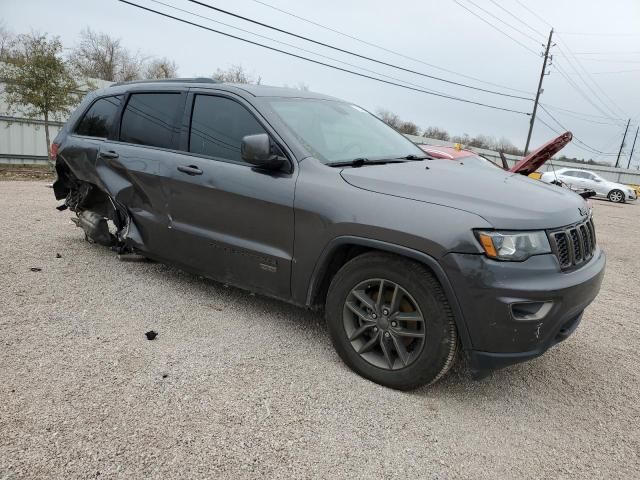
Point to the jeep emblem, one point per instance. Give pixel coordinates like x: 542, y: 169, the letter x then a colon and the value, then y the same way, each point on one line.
x: 583, y: 211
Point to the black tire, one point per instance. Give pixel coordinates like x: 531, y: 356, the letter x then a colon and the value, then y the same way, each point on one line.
x: 440, y: 345
x: 616, y: 196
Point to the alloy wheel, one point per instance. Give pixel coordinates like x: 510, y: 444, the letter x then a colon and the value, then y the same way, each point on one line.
x: 384, y: 324
x: 615, y: 197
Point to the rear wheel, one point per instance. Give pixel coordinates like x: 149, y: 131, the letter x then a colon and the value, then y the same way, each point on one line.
x: 616, y: 196
x: 390, y: 321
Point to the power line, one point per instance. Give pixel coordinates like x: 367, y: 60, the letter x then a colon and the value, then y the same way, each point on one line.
x: 592, y: 81
x: 364, y: 57
x: 596, y: 34
x: 615, y: 71
x: 290, y: 45
x: 504, y: 22
x: 495, y: 28
x: 437, y: 94
x: 607, y: 53
x: 581, y: 92
x: 517, y: 18
x: 578, y: 113
x: 378, y: 46
x: 589, y: 120
x: 566, y: 129
x: 534, y: 13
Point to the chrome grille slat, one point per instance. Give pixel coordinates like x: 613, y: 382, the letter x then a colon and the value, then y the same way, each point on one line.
x: 574, y: 245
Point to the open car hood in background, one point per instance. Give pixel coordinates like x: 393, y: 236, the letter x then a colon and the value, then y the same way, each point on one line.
x: 537, y: 158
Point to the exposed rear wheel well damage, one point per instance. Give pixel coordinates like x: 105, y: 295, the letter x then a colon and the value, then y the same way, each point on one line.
x: 101, y: 218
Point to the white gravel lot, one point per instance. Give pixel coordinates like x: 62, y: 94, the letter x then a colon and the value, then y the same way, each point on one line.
x: 239, y: 386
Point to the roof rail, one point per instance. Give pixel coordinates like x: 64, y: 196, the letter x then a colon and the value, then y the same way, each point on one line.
x: 169, y: 80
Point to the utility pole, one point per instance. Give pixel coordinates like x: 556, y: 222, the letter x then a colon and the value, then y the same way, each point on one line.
x: 535, y: 104
x: 622, y: 144
x: 632, y: 148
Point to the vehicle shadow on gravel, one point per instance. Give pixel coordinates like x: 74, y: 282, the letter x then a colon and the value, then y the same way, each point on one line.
x: 308, y: 327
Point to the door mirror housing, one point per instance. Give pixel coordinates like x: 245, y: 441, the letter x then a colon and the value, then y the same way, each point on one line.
x: 259, y: 151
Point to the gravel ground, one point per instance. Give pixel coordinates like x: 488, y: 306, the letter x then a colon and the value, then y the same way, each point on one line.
x: 239, y: 386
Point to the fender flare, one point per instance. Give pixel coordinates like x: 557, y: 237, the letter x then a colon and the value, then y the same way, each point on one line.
x: 421, y: 257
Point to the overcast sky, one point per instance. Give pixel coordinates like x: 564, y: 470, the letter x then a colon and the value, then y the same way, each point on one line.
x: 439, y: 32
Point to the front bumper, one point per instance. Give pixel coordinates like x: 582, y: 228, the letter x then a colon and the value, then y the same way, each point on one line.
x: 631, y: 196
x: 490, y: 294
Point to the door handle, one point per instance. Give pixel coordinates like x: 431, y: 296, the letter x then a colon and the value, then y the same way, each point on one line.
x: 109, y: 154
x: 190, y: 169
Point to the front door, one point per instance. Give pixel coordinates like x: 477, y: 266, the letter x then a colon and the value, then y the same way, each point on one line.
x: 232, y: 221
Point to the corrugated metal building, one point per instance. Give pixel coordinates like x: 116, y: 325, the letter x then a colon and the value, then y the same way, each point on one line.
x: 22, y: 140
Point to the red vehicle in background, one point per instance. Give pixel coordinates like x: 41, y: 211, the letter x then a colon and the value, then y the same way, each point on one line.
x: 527, y: 165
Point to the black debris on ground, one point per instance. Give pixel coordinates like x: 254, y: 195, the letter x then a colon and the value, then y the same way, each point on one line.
x: 36, y: 269
x: 58, y: 255
x: 151, y: 335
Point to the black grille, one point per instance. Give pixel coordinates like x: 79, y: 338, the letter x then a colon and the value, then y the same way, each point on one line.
x: 574, y: 245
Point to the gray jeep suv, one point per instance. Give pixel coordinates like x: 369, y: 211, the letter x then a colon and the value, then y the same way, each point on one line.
x: 314, y: 201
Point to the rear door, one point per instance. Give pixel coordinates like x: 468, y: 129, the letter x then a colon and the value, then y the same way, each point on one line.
x: 232, y: 221
x: 134, y: 164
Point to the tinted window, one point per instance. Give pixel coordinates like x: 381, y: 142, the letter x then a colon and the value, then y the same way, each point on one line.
x: 151, y: 119
x: 99, y: 118
x: 218, y: 125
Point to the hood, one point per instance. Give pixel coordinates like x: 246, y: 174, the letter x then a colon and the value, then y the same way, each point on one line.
x: 506, y: 200
x: 538, y: 157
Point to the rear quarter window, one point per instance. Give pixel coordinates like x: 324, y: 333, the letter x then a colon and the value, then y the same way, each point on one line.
x: 98, y: 120
x: 152, y: 119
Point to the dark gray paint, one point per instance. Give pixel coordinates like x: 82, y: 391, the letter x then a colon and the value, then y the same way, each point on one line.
x: 275, y: 232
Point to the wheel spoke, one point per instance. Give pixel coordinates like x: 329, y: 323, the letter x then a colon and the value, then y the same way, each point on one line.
x: 408, y: 317
x: 404, y: 332
x: 358, y: 311
x: 401, y: 349
x: 395, y: 299
x: 365, y: 299
x: 380, y: 296
x: 386, y: 351
x: 370, y: 344
x: 359, y: 331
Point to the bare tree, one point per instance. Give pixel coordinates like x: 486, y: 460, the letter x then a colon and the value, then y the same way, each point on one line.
x: 6, y: 37
x: 389, y: 118
x: 161, y: 68
x: 393, y: 120
x: 100, y: 56
x: 235, y: 74
x: 437, y: 134
x: 38, y: 82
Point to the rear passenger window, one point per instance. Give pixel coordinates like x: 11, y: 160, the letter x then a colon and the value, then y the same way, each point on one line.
x: 218, y: 125
x: 99, y: 118
x: 151, y: 119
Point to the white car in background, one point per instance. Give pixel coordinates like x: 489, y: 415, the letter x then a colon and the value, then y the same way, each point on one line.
x: 615, y: 192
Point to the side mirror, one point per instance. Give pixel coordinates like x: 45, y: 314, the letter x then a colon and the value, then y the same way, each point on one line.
x: 257, y: 150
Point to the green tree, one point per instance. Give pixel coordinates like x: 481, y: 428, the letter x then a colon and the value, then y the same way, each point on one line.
x: 38, y: 82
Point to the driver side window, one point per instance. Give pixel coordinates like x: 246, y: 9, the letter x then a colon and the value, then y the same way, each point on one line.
x: 218, y: 125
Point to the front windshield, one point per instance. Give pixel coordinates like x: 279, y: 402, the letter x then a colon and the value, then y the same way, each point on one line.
x: 338, y: 132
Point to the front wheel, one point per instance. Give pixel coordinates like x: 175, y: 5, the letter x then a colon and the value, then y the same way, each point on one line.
x: 616, y: 196
x: 390, y: 321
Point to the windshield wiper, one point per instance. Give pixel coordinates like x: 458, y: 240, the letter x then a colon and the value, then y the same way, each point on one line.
x: 358, y: 162
x: 411, y: 156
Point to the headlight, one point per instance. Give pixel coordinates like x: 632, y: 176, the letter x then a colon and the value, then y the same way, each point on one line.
x: 516, y: 246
